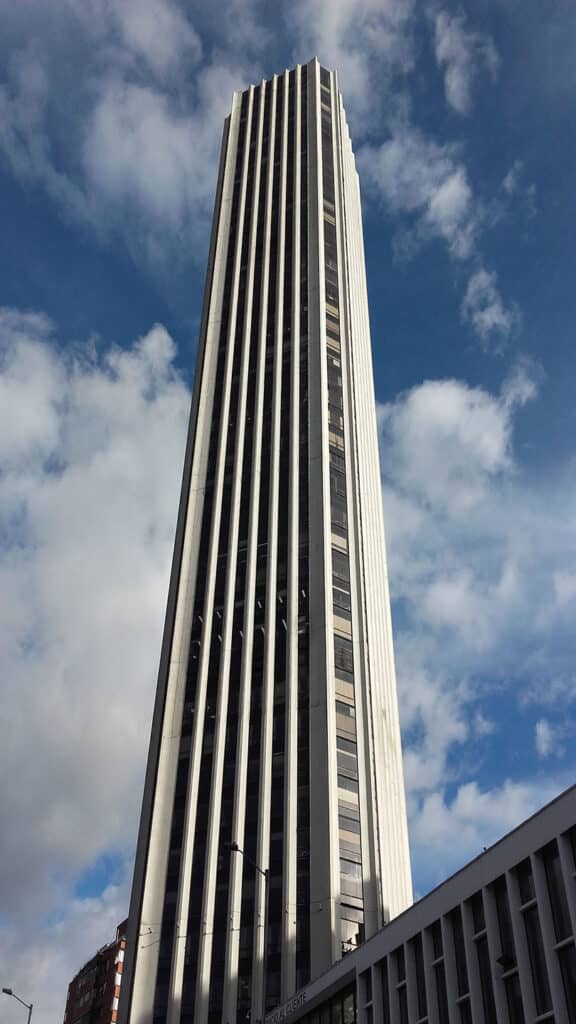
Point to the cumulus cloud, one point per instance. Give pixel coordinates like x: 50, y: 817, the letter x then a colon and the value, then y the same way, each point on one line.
x: 156, y: 32
x: 25, y: 142
x: 556, y: 691
x: 116, y: 110
x: 476, y: 544
x: 452, y: 830
x: 484, y: 309
x: 366, y: 41
x: 462, y: 54
x: 415, y: 175
x: 91, y: 446
x: 552, y: 738
x: 544, y: 737
x: 483, y: 726
x: 445, y: 442
x: 432, y: 714
x: 43, y: 960
x: 564, y: 587
x: 90, y: 459
x: 422, y: 183
x: 515, y: 187
x: 142, y: 153
x: 512, y: 177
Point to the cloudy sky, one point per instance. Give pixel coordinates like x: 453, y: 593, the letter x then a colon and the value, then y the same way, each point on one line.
x: 110, y: 123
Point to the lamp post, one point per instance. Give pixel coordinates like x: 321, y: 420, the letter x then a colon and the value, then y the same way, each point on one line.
x: 9, y: 992
x: 265, y: 872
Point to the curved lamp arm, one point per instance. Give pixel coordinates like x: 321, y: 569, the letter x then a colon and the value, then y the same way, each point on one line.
x: 9, y: 992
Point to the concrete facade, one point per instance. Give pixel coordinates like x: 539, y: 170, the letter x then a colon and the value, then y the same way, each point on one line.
x: 494, y: 944
x: 276, y: 724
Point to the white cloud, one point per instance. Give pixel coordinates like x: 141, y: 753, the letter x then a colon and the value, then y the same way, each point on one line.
x: 445, y: 442
x: 90, y: 460
x: 450, y: 213
x: 441, y: 822
x: 39, y: 964
x: 25, y: 143
x: 422, y: 183
x: 30, y: 385
x: 415, y: 175
x: 366, y: 41
x: 483, y: 726
x: 512, y: 177
x: 514, y: 185
x: 448, y: 832
x: 483, y: 307
x: 463, y: 54
x: 544, y: 737
x: 475, y: 545
x: 427, y: 184
x: 432, y: 716
x: 564, y: 586
x: 521, y: 384
x: 117, y: 112
x: 140, y: 153
x: 460, y: 516
x: 158, y: 32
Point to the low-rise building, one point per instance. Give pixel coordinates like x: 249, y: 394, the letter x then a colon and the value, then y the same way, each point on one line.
x: 94, y: 992
x: 494, y: 943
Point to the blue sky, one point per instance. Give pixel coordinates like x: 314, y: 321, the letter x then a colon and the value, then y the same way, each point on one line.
x: 110, y: 121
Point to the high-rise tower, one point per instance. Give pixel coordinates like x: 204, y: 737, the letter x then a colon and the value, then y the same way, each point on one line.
x: 275, y: 728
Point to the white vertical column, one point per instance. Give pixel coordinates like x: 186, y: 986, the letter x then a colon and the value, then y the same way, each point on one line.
x: 410, y: 961
x: 521, y: 946
x: 364, y: 983
x: 238, y: 825
x: 263, y: 844
x: 429, y: 976
x: 494, y: 949
x: 212, y: 841
x: 378, y: 992
x: 569, y: 875
x: 352, y: 338
x: 150, y: 869
x: 183, y: 901
x: 476, y: 1004
x: 291, y: 724
x: 549, y: 940
x: 387, y: 989
x: 450, y: 969
x: 383, y: 758
x: 350, y: 245
x: 324, y: 866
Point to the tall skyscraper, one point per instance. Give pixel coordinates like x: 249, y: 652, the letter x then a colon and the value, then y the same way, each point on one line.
x: 273, y: 834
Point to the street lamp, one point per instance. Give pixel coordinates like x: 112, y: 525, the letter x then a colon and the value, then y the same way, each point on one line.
x: 9, y: 992
x: 265, y: 872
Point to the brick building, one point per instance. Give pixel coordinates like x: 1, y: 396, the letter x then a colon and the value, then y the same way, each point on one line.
x: 93, y: 993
